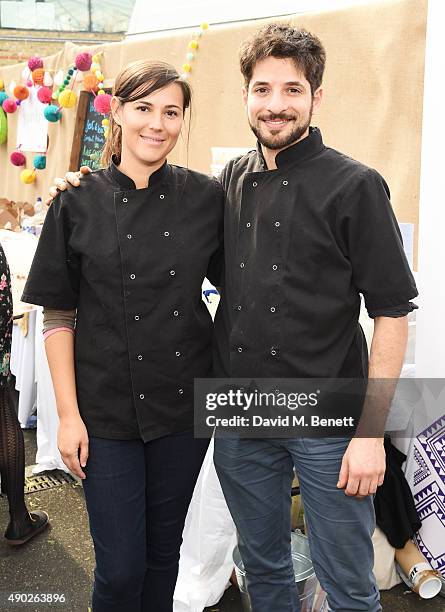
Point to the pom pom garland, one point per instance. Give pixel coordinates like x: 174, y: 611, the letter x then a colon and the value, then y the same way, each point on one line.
x: 102, y: 103
x: 38, y: 75
x: 83, y: 61
x: 40, y: 162
x: 27, y: 176
x: 17, y: 158
x: 67, y: 99
x: 52, y: 113
x: 21, y: 92
x: 9, y: 105
x: 44, y: 94
x: 35, y: 62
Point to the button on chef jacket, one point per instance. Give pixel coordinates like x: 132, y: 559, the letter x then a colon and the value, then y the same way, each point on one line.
x: 302, y: 243
x: 132, y: 262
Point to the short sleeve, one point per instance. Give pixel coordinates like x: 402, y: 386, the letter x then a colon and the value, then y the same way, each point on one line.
x: 215, y: 269
x: 53, y: 280
x: 373, y: 243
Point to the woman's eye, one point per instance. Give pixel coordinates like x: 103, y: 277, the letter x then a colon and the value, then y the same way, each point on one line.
x: 172, y: 113
x: 142, y: 108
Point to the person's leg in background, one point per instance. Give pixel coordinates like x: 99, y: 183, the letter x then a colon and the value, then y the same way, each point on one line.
x: 256, y: 479
x: 115, y: 497
x: 339, y: 527
x: 173, y: 464
x: 23, y: 525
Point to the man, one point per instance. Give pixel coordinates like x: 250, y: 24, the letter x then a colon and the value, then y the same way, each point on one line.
x: 307, y: 231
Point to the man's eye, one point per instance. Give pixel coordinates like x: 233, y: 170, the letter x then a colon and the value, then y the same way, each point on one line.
x: 294, y: 90
x: 261, y: 90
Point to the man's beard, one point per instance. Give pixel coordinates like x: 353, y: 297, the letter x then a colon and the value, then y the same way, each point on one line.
x: 281, y: 142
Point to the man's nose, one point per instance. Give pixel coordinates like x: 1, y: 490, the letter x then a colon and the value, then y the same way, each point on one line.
x: 276, y: 103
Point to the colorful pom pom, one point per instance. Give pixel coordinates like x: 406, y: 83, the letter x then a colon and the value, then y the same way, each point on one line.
x: 102, y: 103
x: 44, y: 94
x: 35, y: 62
x: 105, y: 122
x: 21, y: 92
x: 3, y: 127
x: 187, y: 68
x: 40, y: 162
x: 9, y: 105
x: 96, y: 58
x: 90, y: 82
x: 67, y: 99
x: 52, y: 113
x: 3, y: 97
x: 38, y: 75
x: 17, y: 158
x: 193, y: 44
x: 2, y: 84
x: 27, y: 176
x: 190, y: 56
x: 204, y: 26
x: 83, y: 61
x: 48, y: 80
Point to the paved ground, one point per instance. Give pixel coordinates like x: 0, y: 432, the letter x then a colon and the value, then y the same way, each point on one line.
x: 61, y: 561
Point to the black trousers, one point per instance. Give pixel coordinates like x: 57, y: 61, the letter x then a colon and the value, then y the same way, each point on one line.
x: 137, y: 497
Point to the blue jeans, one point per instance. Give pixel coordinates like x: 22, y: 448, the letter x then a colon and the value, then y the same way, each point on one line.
x: 256, y: 478
x: 137, y: 499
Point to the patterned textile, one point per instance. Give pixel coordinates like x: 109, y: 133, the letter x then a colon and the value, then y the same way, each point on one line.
x: 5, y: 318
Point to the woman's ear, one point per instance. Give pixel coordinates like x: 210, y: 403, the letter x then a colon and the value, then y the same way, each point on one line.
x: 116, y: 108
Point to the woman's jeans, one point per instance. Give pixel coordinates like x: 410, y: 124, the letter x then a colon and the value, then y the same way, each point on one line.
x: 256, y: 478
x: 137, y: 497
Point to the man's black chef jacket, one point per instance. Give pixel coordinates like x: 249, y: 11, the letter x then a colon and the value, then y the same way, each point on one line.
x: 302, y: 243
x: 132, y: 262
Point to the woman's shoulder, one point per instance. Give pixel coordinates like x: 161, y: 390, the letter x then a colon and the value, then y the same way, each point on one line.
x: 195, y: 180
x: 91, y: 186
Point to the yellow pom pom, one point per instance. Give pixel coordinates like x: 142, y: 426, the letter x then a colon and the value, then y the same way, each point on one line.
x: 96, y: 58
x: 187, y: 68
x: 67, y: 98
x: 100, y: 92
x: 193, y: 44
x: 2, y: 84
x: 204, y: 26
x: 27, y: 176
x: 100, y: 77
x: 105, y: 122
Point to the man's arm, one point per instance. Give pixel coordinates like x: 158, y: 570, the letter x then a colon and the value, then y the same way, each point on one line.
x: 60, y: 184
x: 363, y: 465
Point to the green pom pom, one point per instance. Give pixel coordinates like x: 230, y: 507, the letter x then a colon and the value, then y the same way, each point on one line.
x: 70, y: 71
x: 66, y: 82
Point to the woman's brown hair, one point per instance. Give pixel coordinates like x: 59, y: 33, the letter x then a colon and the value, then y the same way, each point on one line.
x: 135, y: 81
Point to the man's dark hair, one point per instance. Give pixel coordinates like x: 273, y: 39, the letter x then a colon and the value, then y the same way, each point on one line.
x: 283, y: 41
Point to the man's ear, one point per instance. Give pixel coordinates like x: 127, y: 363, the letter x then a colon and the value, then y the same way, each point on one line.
x: 244, y: 94
x: 116, y: 107
x: 317, y: 97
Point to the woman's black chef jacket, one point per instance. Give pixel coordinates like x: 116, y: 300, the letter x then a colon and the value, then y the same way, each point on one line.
x: 302, y: 242
x: 132, y: 262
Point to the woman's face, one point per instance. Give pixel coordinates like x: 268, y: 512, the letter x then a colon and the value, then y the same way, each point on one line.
x: 151, y: 125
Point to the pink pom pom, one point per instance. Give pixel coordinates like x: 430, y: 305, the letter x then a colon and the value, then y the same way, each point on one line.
x: 17, y: 158
x: 83, y: 61
x: 44, y: 94
x: 29, y: 83
x: 35, y: 62
x: 9, y: 105
x: 102, y: 103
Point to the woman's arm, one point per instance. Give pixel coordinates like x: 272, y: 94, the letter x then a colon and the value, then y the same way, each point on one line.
x: 72, y: 434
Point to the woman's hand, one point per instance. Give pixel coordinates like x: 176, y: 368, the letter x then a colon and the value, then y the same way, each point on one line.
x: 72, y: 440
x: 71, y: 178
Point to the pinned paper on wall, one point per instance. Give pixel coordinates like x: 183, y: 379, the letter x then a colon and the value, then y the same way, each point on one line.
x: 32, y: 127
x: 407, y: 231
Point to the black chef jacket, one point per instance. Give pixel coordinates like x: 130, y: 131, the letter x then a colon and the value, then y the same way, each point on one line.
x: 302, y: 243
x: 132, y: 262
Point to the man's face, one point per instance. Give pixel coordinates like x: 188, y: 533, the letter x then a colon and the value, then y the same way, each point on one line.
x: 279, y: 103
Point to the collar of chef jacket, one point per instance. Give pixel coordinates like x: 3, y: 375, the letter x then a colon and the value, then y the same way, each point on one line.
x: 159, y: 176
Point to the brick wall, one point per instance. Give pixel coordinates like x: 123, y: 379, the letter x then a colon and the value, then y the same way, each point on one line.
x: 18, y: 45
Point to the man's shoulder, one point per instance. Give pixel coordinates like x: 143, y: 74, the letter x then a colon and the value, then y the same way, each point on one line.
x: 346, y: 170
x: 238, y: 166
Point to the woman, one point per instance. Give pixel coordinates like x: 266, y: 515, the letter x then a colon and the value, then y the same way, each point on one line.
x: 23, y: 525
x: 130, y: 258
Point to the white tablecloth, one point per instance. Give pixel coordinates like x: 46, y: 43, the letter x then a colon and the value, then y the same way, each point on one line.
x: 23, y: 368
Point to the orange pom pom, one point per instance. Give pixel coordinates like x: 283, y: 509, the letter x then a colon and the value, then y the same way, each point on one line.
x: 21, y: 92
x: 90, y: 82
x: 38, y: 75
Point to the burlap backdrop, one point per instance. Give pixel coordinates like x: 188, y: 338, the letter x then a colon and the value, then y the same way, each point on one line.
x: 372, y: 108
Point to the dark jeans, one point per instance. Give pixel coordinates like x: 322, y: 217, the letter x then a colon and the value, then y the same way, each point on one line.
x: 137, y: 497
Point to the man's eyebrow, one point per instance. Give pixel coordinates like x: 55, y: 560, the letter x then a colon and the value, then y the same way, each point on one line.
x: 288, y: 83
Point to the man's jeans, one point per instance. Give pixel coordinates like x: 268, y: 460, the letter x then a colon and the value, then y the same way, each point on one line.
x: 256, y: 478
